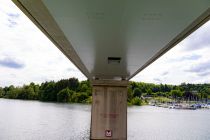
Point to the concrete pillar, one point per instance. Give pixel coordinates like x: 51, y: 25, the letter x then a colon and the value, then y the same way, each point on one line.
x: 109, y: 110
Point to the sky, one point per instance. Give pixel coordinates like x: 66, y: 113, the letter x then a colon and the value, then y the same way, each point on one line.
x: 27, y: 55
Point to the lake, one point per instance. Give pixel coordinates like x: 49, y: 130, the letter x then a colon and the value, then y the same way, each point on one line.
x: 34, y: 120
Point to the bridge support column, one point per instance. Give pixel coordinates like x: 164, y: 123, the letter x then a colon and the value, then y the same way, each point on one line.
x: 109, y: 110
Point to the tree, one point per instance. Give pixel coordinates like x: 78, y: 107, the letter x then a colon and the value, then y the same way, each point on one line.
x: 12, y: 92
x: 79, y: 97
x: 149, y: 91
x: 85, y: 86
x: 137, y: 92
x: 176, y: 94
x: 156, y: 88
x: 34, y: 89
x: 80, y: 92
x: 64, y: 95
x: 27, y: 93
x: 133, y: 85
x: 1, y: 92
x: 73, y: 84
x: 129, y: 94
x: 47, y: 92
x: 205, y: 96
x: 136, y: 101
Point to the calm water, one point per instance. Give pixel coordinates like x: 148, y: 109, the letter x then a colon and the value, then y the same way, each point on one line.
x: 33, y: 120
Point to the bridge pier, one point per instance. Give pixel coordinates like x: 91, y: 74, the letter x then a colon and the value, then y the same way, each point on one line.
x: 109, y: 110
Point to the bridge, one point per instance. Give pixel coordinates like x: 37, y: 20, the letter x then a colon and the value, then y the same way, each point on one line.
x: 110, y: 41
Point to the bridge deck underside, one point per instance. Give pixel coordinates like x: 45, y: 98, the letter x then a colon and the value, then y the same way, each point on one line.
x: 132, y: 32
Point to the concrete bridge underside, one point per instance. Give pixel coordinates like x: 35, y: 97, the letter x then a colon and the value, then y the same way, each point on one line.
x: 111, y: 41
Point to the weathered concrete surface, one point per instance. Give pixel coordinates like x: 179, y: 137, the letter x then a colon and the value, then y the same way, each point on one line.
x: 109, y: 110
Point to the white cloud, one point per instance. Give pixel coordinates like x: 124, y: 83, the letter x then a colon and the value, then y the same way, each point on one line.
x: 190, y: 54
x: 22, y: 42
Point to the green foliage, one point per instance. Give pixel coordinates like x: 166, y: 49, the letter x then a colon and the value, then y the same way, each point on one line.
x: 79, y: 97
x: 136, y: 101
x: 129, y: 104
x: 176, y: 93
x: 71, y: 83
x: 163, y: 99
x: 71, y: 90
x: 47, y: 92
x: 64, y: 95
x: 12, y: 92
x: 129, y: 94
x: 137, y: 92
x: 89, y: 100
x: 1, y: 92
x: 85, y: 86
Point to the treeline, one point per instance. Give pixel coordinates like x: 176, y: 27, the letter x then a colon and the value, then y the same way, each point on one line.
x: 66, y: 90
x: 74, y: 91
x: 183, y: 92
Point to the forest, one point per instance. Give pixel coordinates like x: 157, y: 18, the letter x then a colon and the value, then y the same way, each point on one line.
x: 73, y: 91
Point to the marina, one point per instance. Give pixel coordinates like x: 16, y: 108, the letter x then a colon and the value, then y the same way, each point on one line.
x: 184, y: 106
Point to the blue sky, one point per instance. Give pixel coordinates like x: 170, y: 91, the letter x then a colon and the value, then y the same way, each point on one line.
x: 26, y: 55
